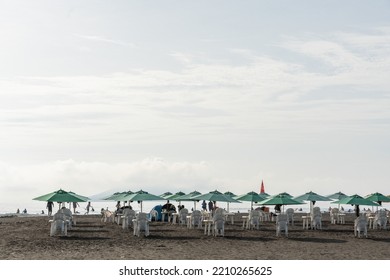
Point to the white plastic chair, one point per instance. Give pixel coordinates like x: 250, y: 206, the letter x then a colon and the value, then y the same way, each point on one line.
x: 68, y: 217
x: 316, y: 222
x: 218, y: 225
x: 128, y: 217
x: 196, y: 219
x: 316, y: 218
x: 141, y: 224
x: 183, y: 213
x: 59, y: 224
x: 334, y: 215
x: 264, y: 216
x: 281, y: 224
x: 360, y: 226
x: 290, y: 216
x: 153, y: 215
x: 254, y: 219
x: 380, y: 220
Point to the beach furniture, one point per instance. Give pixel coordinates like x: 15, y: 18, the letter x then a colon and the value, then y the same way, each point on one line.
x: 264, y: 216
x: 360, y: 226
x: 380, y: 219
x: 281, y: 224
x: 208, y: 224
x: 316, y: 218
x: 306, y: 219
x: 196, y: 219
x: 245, y: 221
x: 334, y: 215
x: 68, y: 217
x: 218, y: 225
x: 141, y: 224
x: 58, y: 225
x: 127, y: 218
x: 229, y: 215
x: 183, y: 213
x: 153, y: 215
x: 316, y: 222
x: 254, y: 219
x: 290, y: 216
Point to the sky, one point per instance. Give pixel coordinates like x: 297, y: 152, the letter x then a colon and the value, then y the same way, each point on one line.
x: 100, y: 96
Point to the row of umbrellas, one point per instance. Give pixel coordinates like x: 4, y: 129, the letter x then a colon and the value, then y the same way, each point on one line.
x: 374, y: 199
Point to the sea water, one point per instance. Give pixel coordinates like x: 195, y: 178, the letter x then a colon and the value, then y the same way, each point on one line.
x: 36, y: 207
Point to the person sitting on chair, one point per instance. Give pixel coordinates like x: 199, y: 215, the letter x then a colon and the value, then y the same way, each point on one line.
x: 168, y: 207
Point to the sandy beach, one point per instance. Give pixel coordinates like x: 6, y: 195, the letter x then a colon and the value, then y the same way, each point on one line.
x: 27, y: 238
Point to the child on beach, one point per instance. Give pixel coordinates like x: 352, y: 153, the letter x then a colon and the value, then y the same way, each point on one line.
x: 89, y: 207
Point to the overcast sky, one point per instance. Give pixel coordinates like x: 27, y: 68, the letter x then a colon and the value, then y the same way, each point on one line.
x: 185, y: 95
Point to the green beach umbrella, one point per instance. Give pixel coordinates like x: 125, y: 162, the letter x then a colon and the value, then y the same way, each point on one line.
x: 378, y: 198
x: 280, y: 199
x: 283, y: 193
x: 228, y: 193
x: 216, y: 196
x: 117, y: 196
x: 86, y: 198
x: 164, y: 195
x: 123, y: 197
x: 142, y: 196
x: 112, y: 196
x: 337, y: 196
x: 62, y: 196
x: 312, y: 197
x: 252, y: 197
x: 355, y: 200
x: 174, y: 196
x: 189, y: 197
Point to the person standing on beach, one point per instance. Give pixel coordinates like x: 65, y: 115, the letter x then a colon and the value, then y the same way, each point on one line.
x: 211, y: 206
x: 357, y: 210
x: 204, y: 205
x: 75, y: 205
x: 49, y: 207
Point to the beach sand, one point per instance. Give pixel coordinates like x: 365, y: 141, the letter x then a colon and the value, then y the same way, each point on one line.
x: 27, y: 238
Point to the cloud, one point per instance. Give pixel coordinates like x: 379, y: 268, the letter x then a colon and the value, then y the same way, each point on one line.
x: 90, y: 178
x: 265, y: 93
